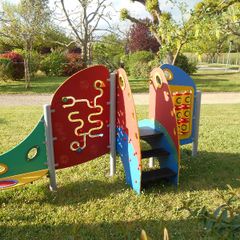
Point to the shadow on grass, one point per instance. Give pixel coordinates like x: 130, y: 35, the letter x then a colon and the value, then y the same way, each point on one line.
x: 213, y: 74
x: 78, y: 192
x: 209, y: 81
x: 209, y: 170
x: 181, y: 229
x: 206, y: 171
x: 3, y: 121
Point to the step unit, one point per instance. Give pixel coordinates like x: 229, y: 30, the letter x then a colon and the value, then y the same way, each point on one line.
x: 153, y: 137
x: 156, y: 175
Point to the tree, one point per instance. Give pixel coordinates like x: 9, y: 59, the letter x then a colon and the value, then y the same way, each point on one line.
x: 208, y: 39
x: 23, y: 24
x: 85, y: 22
x: 226, y: 13
x: 216, y: 27
x: 109, y: 51
x: 171, y: 36
x: 141, y: 39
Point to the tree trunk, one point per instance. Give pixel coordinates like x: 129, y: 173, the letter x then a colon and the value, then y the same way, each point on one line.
x: 27, y: 72
x: 169, y: 58
x: 177, y: 53
x: 85, y: 55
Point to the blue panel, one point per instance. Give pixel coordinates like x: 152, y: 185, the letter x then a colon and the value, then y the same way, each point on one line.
x: 129, y: 160
x: 166, y: 143
x: 180, y: 78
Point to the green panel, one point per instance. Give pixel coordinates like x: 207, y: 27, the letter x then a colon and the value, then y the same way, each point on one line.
x: 17, y: 160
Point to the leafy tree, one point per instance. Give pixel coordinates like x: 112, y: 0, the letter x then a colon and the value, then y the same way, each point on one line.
x: 171, y: 36
x: 23, y: 24
x: 208, y: 38
x: 109, y: 51
x: 216, y: 26
x: 141, y: 39
x: 85, y: 22
x: 226, y: 14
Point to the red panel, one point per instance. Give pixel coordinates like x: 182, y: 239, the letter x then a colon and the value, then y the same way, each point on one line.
x: 80, y: 117
x: 126, y: 114
x: 161, y: 106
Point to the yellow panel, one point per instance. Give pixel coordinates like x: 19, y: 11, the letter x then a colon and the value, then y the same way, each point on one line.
x: 183, y: 101
x: 22, y: 179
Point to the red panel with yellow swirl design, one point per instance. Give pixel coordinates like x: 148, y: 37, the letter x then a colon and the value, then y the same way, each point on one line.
x: 80, y: 117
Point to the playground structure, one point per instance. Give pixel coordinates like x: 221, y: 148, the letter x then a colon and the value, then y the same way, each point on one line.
x: 93, y: 113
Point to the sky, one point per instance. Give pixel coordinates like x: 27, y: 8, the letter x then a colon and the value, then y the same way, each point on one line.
x: 136, y: 9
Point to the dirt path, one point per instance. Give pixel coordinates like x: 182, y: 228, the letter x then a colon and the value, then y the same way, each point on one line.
x: 140, y: 99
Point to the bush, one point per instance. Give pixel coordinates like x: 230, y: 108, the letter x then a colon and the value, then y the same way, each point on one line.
x: 35, y: 59
x: 6, y: 69
x: 185, y: 64
x: 53, y: 64
x: 74, y: 64
x: 17, y: 64
x: 139, y: 64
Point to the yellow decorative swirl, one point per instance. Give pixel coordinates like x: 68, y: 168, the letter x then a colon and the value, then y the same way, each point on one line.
x: 75, y: 146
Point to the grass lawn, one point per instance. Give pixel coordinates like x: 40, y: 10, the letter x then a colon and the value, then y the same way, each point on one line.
x: 38, y: 86
x: 207, y: 81
x: 90, y: 205
x: 217, y: 81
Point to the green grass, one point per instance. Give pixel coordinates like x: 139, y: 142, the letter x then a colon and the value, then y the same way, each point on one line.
x: 90, y: 205
x: 38, y: 86
x: 207, y: 81
x: 217, y: 81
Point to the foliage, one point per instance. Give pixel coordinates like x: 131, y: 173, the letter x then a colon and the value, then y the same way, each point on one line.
x: 23, y: 24
x: 139, y: 64
x: 226, y: 13
x: 225, y: 220
x: 54, y: 64
x: 74, y: 64
x: 35, y: 59
x: 109, y: 51
x: 171, y: 35
x: 185, y: 64
x: 141, y: 39
x: 6, y: 69
x: 17, y: 64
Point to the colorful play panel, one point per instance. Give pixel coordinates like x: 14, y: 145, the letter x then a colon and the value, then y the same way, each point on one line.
x: 186, y: 102
x: 93, y: 113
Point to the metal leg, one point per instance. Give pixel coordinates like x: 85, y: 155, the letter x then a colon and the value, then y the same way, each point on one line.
x: 197, y: 120
x: 49, y: 145
x: 112, y: 127
x: 151, y: 162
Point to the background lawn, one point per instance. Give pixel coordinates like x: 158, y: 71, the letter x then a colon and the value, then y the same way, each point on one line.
x: 206, y: 81
x: 90, y: 205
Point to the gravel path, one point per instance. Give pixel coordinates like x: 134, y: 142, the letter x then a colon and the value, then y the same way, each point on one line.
x: 140, y: 99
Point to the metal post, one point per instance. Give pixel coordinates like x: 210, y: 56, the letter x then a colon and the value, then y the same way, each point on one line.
x: 49, y: 145
x: 197, y: 121
x: 151, y: 162
x: 112, y: 127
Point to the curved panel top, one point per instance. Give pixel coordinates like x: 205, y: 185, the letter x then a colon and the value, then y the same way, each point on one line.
x: 80, y: 117
x: 161, y: 106
x: 126, y: 113
x: 177, y: 76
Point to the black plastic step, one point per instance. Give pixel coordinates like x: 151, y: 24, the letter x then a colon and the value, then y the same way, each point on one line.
x: 147, y: 133
x: 159, y: 152
x: 156, y: 175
